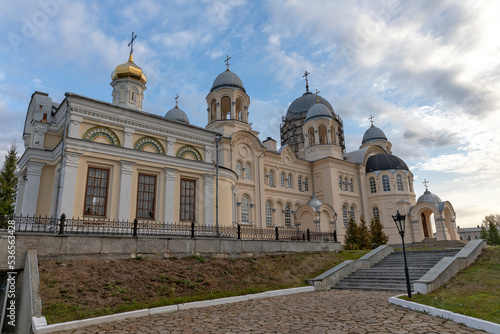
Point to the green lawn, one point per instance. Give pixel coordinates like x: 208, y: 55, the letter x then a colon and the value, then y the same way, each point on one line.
x: 474, y: 292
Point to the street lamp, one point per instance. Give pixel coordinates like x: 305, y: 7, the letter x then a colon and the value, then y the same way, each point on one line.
x: 399, y: 219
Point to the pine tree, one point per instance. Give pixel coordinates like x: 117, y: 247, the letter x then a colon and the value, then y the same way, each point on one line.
x: 8, y: 183
x: 377, y: 233
x: 484, y: 233
x: 493, y: 236
x: 351, y: 238
x: 364, y: 235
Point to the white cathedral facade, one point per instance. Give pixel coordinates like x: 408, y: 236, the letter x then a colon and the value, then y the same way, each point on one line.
x: 89, y: 158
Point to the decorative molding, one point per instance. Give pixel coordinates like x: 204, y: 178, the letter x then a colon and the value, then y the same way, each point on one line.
x: 100, y: 131
x: 127, y: 166
x: 141, y: 144
x: 188, y: 149
x: 72, y: 159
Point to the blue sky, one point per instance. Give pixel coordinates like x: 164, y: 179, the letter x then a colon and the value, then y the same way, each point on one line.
x: 427, y: 70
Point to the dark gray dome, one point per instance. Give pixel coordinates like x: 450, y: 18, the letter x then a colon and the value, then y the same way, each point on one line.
x: 429, y: 198
x: 176, y: 114
x: 301, y: 105
x: 227, y: 79
x: 318, y: 110
x: 384, y: 161
x: 373, y: 134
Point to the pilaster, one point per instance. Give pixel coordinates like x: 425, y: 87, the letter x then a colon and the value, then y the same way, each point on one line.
x: 209, y: 199
x: 125, y: 190
x: 169, y: 194
x: 30, y: 200
x: 68, y: 184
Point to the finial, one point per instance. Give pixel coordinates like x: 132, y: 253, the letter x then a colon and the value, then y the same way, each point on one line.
x: 425, y: 184
x: 176, y: 99
x: 317, y: 95
x: 371, y: 119
x: 131, y: 44
x: 227, y: 62
x: 307, y: 81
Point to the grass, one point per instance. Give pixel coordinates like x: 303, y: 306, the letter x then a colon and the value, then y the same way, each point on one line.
x: 473, y: 292
x: 184, y: 285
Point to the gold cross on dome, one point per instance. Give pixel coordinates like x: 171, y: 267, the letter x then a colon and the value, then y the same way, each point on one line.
x: 131, y: 44
x: 371, y: 119
x: 425, y: 183
x: 176, y: 99
x: 317, y: 95
x: 227, y: 61
x: 307, y: 81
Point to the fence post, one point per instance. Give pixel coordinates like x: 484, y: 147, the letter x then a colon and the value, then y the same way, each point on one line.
x: 135, y: 227
x: 308, y: 235
x: 335, y: 235
x: 61, y: 227
x: 303, y: 237
x: 192, y: 230
x: 239, y: 231
x: 277, y: 238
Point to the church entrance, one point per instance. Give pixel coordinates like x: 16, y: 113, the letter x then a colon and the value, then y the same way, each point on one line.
x: 424, y: 225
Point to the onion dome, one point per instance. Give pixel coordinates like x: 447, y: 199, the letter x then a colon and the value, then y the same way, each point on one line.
x: 373, y: 134
x: 314, y: 203
x: 429, y: 198
x: 300, y: 106
x: 227, y: 79
x: 129, y: 70
x: 318, y: 110
x: 384, y: 161
x: 176, y: 114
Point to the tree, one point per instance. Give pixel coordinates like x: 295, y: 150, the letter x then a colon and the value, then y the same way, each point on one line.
x: 493, y: 236
x: 495, y: 219
x: 378, y: 237
x: 351, y: 238
x: 364, y: 236
x: 484, y: 233
x: 8, y: 183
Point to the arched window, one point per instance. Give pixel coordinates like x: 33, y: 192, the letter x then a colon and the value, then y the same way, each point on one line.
x: 352, y: 213
x: 385, y: 183
x: 283, y: 180
x: 306, y: 184
x: 289, y: 181
x: 288, y: 217
x: 238, y: 168
x: 312, y: 141
x: 373, y: 185
x: 345, y: 217
x: 213, y: 110
x: 269, y: 214
x: 351, y: 185
x: 300, y: 183
x: 332, y: 134
x: 376, y: 213
x: 346, y: 185
x: 245, y: 212
x: 225, y: 108
x: 409, y: 184
x: 271, y: 178
x: 340, y: 182
x: 248, y: 171
x: 322, y: 134
x: 399, y: 182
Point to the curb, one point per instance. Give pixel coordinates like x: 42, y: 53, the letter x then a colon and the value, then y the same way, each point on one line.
x: 475, y: 323
x: 40, y: 326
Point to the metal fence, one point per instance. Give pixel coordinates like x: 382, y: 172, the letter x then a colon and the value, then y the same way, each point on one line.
x: 90, y: 226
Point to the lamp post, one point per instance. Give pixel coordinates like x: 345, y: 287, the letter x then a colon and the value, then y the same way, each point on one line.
x: 399, y: 219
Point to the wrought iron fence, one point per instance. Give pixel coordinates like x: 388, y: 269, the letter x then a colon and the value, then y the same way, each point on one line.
x: 94, y: 226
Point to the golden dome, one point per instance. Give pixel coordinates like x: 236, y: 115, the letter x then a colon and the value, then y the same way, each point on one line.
x: 129, y: 70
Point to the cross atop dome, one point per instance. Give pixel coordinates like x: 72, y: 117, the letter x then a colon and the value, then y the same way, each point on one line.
x: 307, y: 81
x: 317, y: 95
x: 227, y: 62
x: 131, y: 44
x: 176, y: 99
x: 371, y: 119
x: 425, y: 184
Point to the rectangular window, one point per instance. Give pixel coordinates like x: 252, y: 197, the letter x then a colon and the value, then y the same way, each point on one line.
x: 146, y: 194
x: 188, y: 196
x: 96, y: 194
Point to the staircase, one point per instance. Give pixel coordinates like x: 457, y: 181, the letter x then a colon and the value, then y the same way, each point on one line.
x: 389, y: 273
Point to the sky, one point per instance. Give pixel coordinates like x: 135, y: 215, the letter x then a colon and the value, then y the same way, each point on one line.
x: 428, y: 71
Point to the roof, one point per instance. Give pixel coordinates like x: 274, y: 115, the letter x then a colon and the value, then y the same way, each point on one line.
x: 227, y: 79
x: 429, y: 198
x: 176, y: 114
x: 384, y: 161
x: 318, y: 110
x: 357, y: 156
x: 300, y: 106
x: 373, y: 134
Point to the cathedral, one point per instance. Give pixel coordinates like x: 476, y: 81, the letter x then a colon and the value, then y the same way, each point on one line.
x: 113, y: 161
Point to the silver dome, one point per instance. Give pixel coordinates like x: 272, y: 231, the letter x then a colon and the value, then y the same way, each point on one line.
x: 429, y: 198
x: 318, y: 110
x: 300, y: 106
x: 373, y: 134
x: 176, y: 114
x: 227, y: 79
x: 314, y: 203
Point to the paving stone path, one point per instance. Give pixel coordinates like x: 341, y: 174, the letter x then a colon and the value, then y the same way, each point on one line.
x: 329, y: 312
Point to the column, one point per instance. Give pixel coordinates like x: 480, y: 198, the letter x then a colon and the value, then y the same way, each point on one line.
x: 209, y: 199
x: 217, y: 108
x: 74, y: 126
x: 127, y: 142
x: 208, y: 153
x: 169, y: 194
x: 125, y: 190
x: 39, y: 129
x: 68, y: 184
x: 20, y: 194
x: 209, y: 116
x: 245, y: 117
x: 30, y: 200
x: 170, y: 146
x: 233, y: 110
x: 316, y: 137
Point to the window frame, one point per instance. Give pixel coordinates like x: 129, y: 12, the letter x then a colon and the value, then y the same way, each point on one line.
x: 194, y: 200
x: 373, y: 185
x: 288, y: 215
x: 248, y: 171
x: 282, y: 179
x: 399, y: 182
x: 289, y: 182
x: 245, y: 210
x: 154, y: 195
x: 376, y: 213
x: 300, y: 183
x: 108, y: 171
x: 306, y: 184
x: 386, y: 183
x: 345, y: 216
x: 269, y: 213
x: 270, y: 180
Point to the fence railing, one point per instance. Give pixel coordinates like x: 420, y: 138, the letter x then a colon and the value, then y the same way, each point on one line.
x: 92, y: 226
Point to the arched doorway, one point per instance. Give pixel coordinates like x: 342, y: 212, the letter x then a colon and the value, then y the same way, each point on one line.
x: 424, y: 226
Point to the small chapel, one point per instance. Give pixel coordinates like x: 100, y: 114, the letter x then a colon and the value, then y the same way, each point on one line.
x: 115, y: 161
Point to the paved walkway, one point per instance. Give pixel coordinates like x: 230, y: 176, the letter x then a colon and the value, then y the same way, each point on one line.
x: 332, y: 312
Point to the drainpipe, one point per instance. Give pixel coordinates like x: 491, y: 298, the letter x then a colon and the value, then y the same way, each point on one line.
x: 59, y: 182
